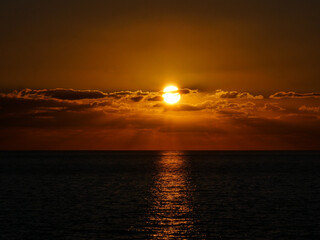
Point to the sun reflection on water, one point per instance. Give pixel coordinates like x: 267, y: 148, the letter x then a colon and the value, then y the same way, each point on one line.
x: 171, y: 213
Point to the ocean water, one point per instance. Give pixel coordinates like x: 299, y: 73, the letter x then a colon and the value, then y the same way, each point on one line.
x: 159, y: 195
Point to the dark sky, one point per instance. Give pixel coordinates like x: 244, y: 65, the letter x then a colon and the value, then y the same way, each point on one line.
x: 257, y: 46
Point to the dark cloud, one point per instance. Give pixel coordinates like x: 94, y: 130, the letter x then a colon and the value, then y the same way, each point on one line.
x: 25, y: 109
x: 137, y: 98
x: 63, y: 94
x: 155, y: 98
x: 183, y: 91
x: 14, y: 104
x: 187, y: 91
x: 280, y: 95
x: 10, y: 103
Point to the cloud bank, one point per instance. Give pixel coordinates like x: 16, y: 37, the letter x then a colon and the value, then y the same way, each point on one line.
x: 93, y: 119
x: 280, y: 95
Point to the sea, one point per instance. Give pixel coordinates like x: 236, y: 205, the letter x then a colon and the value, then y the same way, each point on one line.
x: 93, y: 195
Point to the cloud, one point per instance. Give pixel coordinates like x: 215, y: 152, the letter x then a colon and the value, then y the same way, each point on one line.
x: 187, y: 91
x: 220, y: 107
x: 17, y: 103
x: 71, y: 94
x: 120, y: 94
x: 137, y: 98
x: 157, y: 97
x: 234, y: 94
x: 63, y: 94
x: 154, y: 98
x: 180, y: 107
x: 182, y: 91
x: 309, y: 109
x: 280, y: 95
x: 272, y: 107
x: 228, y: 118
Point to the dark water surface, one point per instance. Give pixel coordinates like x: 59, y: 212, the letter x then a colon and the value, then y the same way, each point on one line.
x: 159, y: 195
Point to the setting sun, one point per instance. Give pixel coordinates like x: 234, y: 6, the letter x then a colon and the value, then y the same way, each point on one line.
x: 171, y: 95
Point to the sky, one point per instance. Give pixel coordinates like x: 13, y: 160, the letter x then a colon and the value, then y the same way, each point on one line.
x: 88, y: 75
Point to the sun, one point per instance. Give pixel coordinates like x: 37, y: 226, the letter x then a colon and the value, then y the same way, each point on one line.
x: 171, y: 95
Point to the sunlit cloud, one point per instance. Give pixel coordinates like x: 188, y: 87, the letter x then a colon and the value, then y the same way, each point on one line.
x: 201, y: 120
x: 310, y: 109
x: 280, y: 95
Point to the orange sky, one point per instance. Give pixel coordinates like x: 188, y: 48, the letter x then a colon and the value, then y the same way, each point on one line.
x: 257, y: 46
x: 89, y: 74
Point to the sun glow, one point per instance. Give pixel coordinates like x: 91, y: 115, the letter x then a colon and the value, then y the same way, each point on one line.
x: 171, y: 94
